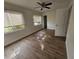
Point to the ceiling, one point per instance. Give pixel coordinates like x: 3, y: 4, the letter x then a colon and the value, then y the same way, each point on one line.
x: 31, y: 4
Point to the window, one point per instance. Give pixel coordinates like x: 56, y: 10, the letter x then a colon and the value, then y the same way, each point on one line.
x: 13, y: 21
x: 37, y: 20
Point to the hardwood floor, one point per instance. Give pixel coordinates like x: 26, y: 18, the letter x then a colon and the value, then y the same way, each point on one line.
x: 41, y: 45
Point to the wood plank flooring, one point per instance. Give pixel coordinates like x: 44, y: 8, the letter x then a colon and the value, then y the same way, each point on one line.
x: 41, y: 45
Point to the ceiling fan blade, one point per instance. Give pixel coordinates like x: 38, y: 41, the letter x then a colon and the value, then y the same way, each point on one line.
x: 39, y: 3
x: 48, y: 4
x: 47, y: 7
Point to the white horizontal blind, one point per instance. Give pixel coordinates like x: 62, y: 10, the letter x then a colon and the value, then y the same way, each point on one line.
x: 37, y: 20
x: 13, y: 21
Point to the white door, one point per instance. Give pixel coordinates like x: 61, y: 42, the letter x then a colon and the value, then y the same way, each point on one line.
x: 61, y: 17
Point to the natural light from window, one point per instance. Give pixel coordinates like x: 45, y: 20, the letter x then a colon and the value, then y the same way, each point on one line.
x: 37, y: 20
x: 13, y: 21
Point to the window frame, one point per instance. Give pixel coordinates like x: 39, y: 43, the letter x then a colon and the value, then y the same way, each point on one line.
x: 14, y: 12
x: 37, y: 22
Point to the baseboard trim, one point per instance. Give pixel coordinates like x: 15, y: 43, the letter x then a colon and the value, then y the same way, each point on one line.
x: 22, y: 38
x: 63, y: 37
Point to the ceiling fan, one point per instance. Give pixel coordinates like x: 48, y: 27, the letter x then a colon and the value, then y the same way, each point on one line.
x: 43, y: 5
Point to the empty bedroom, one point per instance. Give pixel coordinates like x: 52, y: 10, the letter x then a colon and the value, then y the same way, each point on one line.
x: 38, y: 29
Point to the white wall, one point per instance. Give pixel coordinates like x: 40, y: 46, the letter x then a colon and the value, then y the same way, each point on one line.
x: 28, y: 19
x: 51, y: 17
x: 57, y: 20
x: 70, y: 37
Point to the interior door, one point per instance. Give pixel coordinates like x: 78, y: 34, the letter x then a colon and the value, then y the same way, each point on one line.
x: 45, y: 22
x: 61, y: 17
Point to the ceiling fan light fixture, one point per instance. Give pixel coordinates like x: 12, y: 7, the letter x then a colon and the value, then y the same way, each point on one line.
x: 45, y: 5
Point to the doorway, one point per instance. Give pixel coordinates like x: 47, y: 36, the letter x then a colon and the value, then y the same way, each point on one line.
x: 45, y: 22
